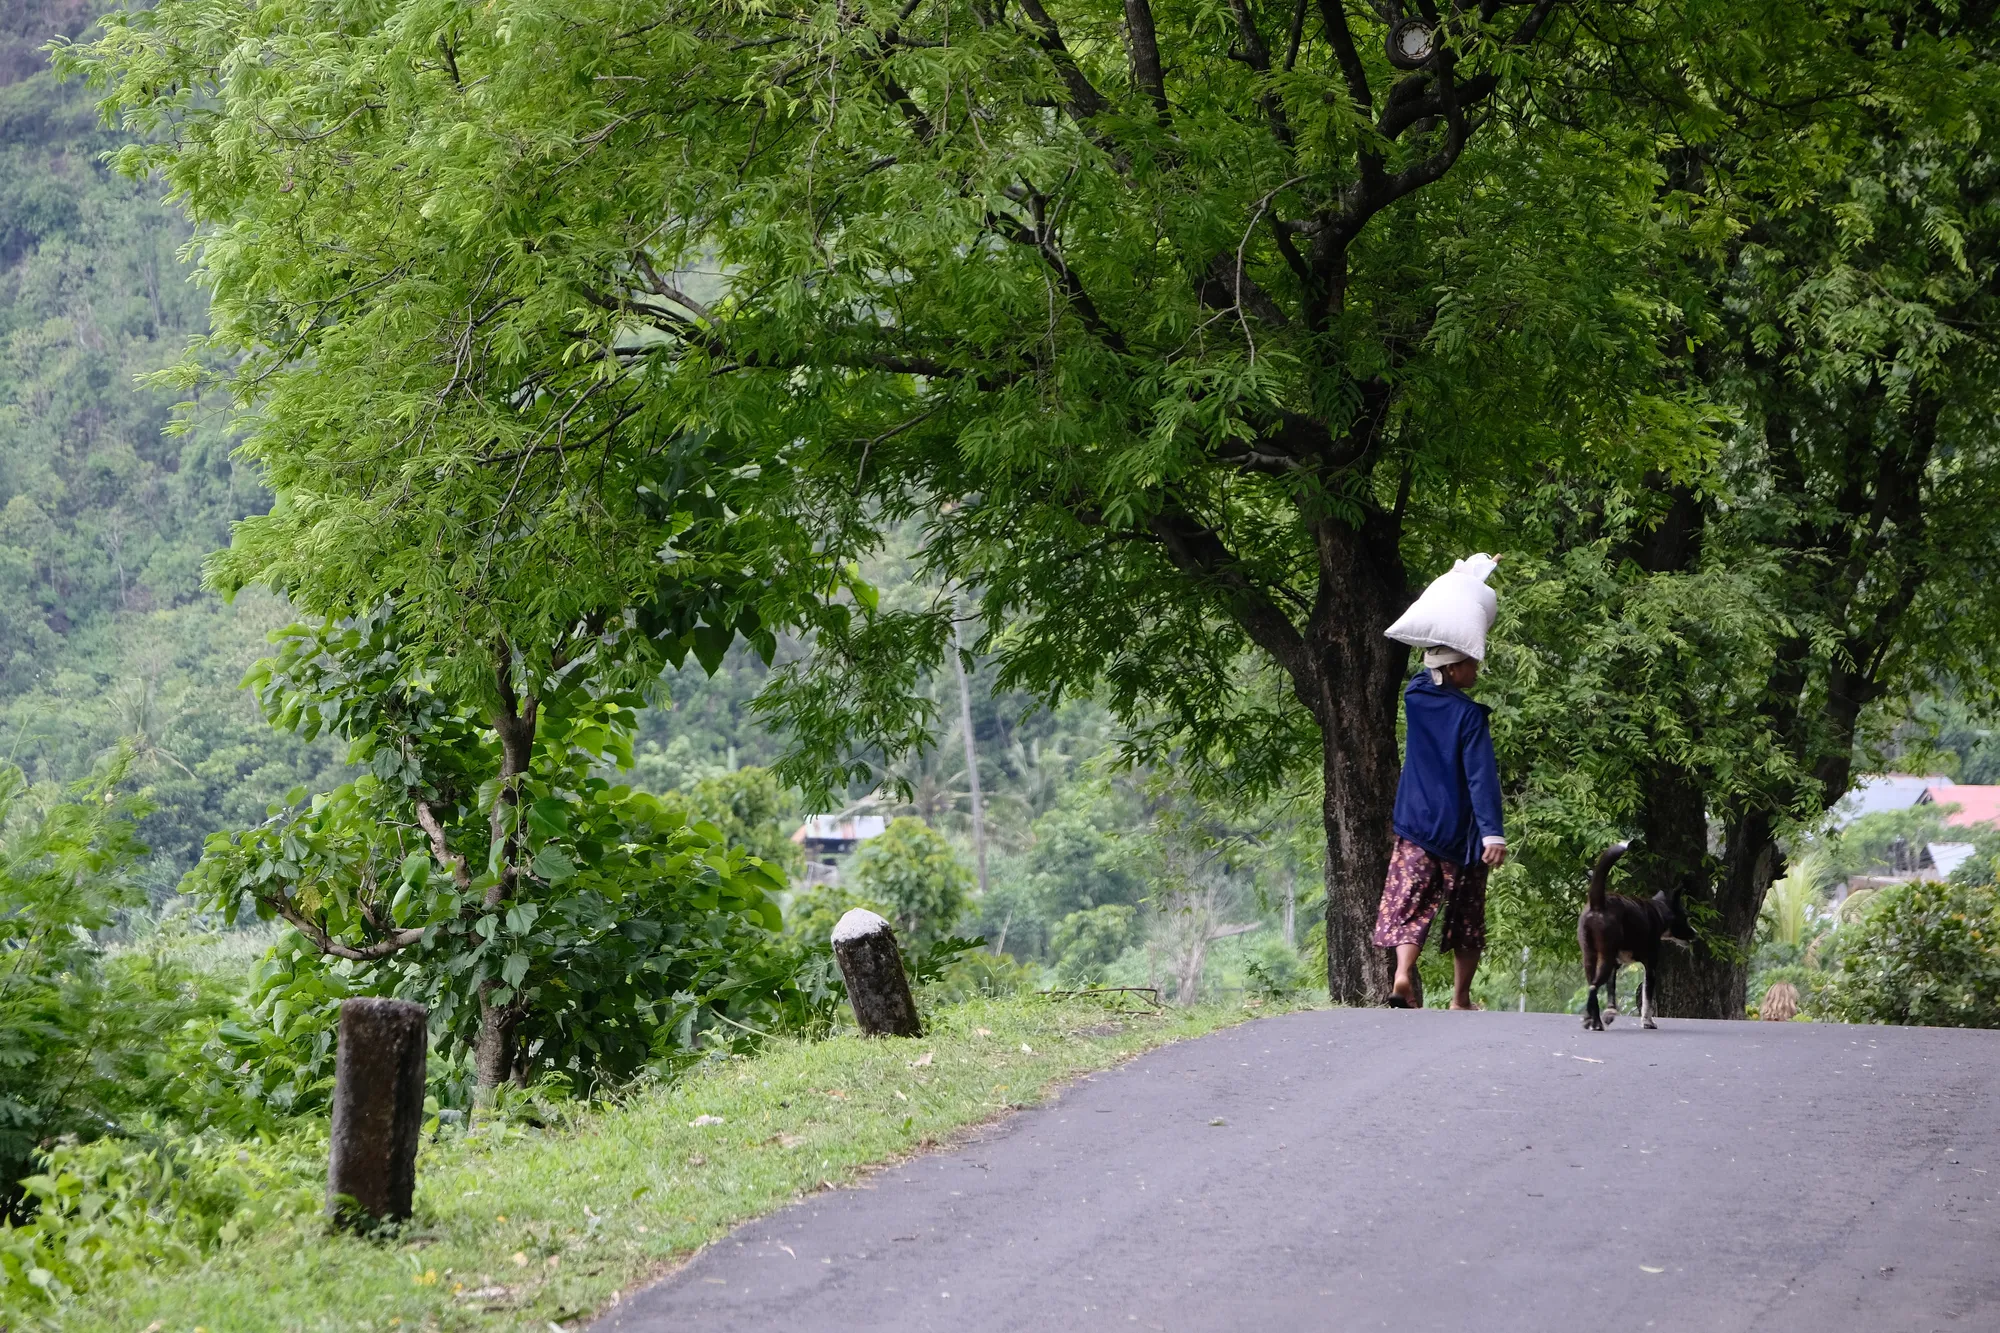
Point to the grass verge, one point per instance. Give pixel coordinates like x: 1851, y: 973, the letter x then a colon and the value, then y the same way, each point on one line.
x: 519, y: 1229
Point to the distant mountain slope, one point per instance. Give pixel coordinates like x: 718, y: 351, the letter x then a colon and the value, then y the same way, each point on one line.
x: 104, y: 518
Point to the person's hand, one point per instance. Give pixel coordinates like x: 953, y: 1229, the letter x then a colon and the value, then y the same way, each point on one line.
x: 1495, y: 854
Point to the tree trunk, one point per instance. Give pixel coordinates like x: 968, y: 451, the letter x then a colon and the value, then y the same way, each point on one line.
x: 971, y: 752
x: 1671, y: 856
x: 1356, y: 684
x: 493, y: 1056
x: 1715, y: 983
x: 1187, y: 974
x: 1724, y: 893
x: 514, y: 723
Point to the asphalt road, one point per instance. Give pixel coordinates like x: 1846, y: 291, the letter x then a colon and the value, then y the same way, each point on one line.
x: 1417, y: 1171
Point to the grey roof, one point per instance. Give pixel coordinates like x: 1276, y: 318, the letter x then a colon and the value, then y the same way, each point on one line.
x: 1876, y: 792
x: 1945, y: 857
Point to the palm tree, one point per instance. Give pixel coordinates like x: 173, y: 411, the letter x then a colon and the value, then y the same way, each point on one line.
x: 1790, y: 905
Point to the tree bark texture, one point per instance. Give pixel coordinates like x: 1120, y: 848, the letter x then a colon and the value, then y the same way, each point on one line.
x: 1356, y: 678
x: 1673, y: 854
x: 1704, y: 982
x: 378, y: 1111
x: 865, y: 947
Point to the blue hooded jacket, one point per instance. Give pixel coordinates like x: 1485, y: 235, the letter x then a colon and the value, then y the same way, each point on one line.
x: 1448, y: 801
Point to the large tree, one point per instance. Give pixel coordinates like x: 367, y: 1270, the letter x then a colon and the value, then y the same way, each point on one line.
x: 500, y: 518
x: 1157, y: 310
x: 1742, y: 640
x: 1196, y: 332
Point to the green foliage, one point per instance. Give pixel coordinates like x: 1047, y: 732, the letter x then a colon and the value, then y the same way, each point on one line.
x: 1865, y: 845
x: 600, y: 925
x: 105, y: 632
x: 1601, y: 673
x: 1808, y: 980
x: 1789, y: 907
x: 1086, y: 942
x: 84, y: 1040
x: 1148, y: 361
x: 100, y: 515
x: 657, y: 1186
x: 919, y: 876
x: 1077, y: 858
x: 152, y: 1201
x: 813, y: 912
x: 752, y: 808
x: 1961, y: 744
x: 1271, y: 970
x: 975, y: 972
x: 1922, y: 953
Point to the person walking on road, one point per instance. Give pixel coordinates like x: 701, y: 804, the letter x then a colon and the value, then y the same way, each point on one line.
x: 1448, y: 830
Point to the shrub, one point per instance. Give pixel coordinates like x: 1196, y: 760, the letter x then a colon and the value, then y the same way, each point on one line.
x: 1806, y: 980
x: 812, y: 913
x: 84, y: 1040
x: 1086, y: 942
x: 919, y: 876
x: 151, y: 1200
x: 1922, y: 953
x: 1271, y: 969
x: 976, y: 973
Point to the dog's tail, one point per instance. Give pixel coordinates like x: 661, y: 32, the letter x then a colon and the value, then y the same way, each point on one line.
x: 1601, y: 873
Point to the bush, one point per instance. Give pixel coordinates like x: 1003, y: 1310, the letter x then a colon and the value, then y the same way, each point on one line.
x: 1923, y: 953
x: 84, y: 1040
x: 979, y: 974
x: 1272, y: 969
x: 813, y: 912
x: 1808, y: 981
x: 1086, y: 942
x: 158, y: 1199
x: 919, y: 876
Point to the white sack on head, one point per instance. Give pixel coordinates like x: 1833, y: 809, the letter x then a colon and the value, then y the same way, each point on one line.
x: 1455, y: 611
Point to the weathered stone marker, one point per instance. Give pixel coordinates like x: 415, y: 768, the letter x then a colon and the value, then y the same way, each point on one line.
x: 378, y: 1111
x: 866, y: 949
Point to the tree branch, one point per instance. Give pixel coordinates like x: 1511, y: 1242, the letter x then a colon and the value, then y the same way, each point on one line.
x: 1258, y: 56
x: 460, y: 875
x: 1197, y: 549
x: 1042, y: 240
x: 325, y: 943
x: 1225, y: 286
x: 1341, y: 38
x: 1146, y: 70
x: 1084, y: 99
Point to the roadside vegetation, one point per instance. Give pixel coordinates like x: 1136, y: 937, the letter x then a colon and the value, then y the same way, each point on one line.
x: 539, y: 1214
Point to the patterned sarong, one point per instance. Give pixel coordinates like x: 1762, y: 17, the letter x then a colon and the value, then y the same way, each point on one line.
x: 1417, y: 886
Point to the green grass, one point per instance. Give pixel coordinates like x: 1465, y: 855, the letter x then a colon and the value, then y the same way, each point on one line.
x: 517, y: 1228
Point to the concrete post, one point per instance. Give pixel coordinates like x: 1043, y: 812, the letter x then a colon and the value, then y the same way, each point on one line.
x: 378, y: 1111
x: 866, y: 950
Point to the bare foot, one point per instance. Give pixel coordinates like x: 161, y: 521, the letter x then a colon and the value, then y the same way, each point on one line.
x: 1470, y: 1006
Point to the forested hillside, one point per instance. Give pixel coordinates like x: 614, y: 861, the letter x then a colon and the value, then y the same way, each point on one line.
x: 105, y: 515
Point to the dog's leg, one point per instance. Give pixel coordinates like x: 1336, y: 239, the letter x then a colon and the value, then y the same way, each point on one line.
x: 1646, y: 1000
x: 1592, y: 1022
x: 1611, y: 991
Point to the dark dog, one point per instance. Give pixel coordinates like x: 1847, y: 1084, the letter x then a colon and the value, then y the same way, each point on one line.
x: 1615, y: 930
